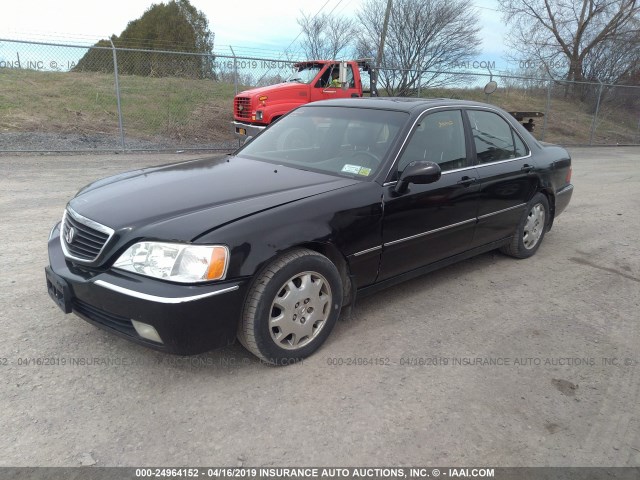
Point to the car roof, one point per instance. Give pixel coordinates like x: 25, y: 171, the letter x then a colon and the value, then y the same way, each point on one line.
x: 403, y: 104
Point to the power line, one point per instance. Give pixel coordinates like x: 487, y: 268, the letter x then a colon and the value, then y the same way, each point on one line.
x: 312, y: 18
x: 337, y: 5
x: 344, y: 8
x: 487, y: 8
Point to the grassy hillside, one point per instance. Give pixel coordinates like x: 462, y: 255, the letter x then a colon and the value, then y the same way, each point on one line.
x: 567, y: 121
x: 175, y: 108
x: 188, y: 111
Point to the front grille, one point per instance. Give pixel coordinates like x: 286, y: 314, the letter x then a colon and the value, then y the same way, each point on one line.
x: 242, y: 107
x: 88, y: 238
x: 111, y: 320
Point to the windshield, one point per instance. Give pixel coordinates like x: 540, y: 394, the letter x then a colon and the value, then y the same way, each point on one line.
x: 349, y: 142
x: 305, y: 74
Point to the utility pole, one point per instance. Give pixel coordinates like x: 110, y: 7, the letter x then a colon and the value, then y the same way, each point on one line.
x: 385, y: 25
x: 376, y: 70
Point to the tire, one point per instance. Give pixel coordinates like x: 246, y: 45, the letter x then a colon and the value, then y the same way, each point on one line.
x: 531, y: 229
x: 291, y: 308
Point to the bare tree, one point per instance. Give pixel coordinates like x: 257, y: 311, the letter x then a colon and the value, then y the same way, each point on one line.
x: 326, y: 37
x: 424, y: 38
x: 578, y: 39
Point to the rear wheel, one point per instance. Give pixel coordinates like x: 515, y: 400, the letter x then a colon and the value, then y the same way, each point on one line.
x: 531, y: 228
x: 291, y: 307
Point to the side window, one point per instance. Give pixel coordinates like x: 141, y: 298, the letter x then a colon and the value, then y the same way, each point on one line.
x: 327, y: 79
x: 521, y: 148
x: 494, y: 138
x: 327, y: 76
x: 439, y: 138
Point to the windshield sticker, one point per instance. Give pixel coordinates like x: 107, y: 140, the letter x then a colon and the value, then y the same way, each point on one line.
x: 356, y: 169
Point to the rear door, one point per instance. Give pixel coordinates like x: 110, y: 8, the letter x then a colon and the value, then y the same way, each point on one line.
x: 434, y: 221
x: 506, y: 171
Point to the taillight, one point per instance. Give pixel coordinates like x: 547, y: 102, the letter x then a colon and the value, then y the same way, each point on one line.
x: 568, y: 177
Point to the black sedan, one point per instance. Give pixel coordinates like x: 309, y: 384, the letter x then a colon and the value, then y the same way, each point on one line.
x: 335, y: 200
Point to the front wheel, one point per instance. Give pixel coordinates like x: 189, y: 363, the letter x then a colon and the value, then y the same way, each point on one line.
x: 291, y: 308
x: 531, y: 228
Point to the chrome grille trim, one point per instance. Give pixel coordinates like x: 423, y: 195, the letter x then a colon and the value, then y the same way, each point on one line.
x: 245, y: 111
x: 92, y: 237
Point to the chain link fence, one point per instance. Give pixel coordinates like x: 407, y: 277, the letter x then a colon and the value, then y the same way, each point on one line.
x: 65, y: 97
x: 571, y: 113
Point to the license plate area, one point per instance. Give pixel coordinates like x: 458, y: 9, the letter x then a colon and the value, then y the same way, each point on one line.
x: 58, y: 290
x: 241, y: 131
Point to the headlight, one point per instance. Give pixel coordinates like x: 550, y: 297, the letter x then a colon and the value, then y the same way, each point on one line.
x: 176, y: 262
x: 259, y: 115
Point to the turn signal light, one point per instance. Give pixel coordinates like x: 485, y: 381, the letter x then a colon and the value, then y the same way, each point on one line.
x: 217, y: 264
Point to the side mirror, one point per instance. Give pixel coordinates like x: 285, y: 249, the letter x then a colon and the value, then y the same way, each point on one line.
x: 418, y: 173
x: 343, y: 72
x: 247, y: 140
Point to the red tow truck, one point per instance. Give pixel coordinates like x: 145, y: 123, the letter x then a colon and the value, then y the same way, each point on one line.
x: 311, y: 81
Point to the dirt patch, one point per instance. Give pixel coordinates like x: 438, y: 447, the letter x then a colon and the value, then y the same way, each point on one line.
x: 390, y: 387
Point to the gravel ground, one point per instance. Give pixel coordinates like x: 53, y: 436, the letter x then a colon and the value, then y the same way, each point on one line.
x: 89, y: 142
x: 563, y: 326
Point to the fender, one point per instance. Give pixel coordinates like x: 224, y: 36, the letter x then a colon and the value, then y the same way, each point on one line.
x: 355, y: 226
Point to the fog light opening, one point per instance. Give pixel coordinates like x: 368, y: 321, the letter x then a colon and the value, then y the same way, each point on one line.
x: 146, y: 331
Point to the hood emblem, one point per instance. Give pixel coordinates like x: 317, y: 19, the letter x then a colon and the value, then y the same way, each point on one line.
x: 71, y: 234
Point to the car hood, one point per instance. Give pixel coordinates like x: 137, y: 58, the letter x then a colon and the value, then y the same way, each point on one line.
x: 279, y: 90
x: 183, y: 201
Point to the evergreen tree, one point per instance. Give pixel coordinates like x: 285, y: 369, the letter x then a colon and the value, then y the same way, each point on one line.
x: 173, y: 27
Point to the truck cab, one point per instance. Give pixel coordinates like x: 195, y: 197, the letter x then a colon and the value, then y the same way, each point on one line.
x: 311, y: 81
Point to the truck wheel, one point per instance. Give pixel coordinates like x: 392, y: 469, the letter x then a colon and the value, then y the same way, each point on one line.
x: 291, y: 307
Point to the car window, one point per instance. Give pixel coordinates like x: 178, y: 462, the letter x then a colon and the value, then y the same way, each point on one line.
x: 351, y: 142
x: 493, y: 137
x: 439, y: 138
x: 305, y: 73
x: 325, y: 79
x: 521, y: 148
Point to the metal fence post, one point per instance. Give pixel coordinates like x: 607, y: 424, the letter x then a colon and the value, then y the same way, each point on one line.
x: 595, y: 114
x: 115, y: 72
x: 235, y: 70
x: 547, y: 108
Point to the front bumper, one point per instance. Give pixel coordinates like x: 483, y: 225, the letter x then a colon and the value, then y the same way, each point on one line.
x: 245, y: 130
x: 189, y: 319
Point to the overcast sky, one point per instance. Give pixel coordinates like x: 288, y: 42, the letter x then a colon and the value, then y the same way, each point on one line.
x: 251, y: 26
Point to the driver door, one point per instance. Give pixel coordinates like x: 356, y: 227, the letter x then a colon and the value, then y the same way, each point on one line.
x: 431, y: 222
x: 322, y: 89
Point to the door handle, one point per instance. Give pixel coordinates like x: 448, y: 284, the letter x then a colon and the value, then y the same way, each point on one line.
x: 466, y: 181
x: 527, y: 168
